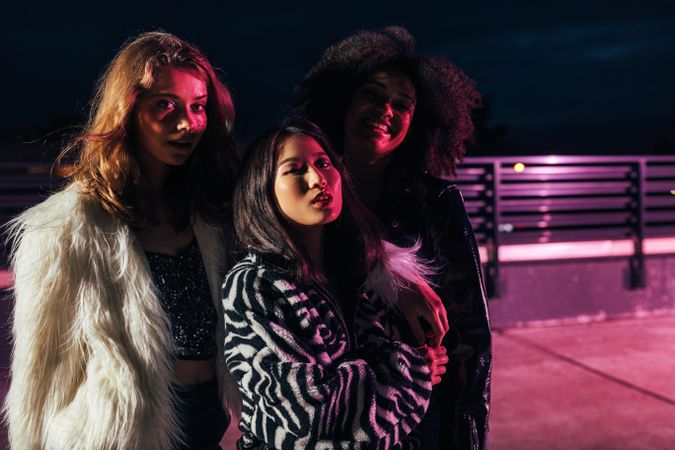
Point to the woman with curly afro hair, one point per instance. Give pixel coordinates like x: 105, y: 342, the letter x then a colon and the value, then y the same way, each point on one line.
x: 400, y: 120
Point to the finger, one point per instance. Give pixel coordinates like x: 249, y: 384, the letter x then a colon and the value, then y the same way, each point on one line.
x: 434, y: 300
x: 437, y: 339
x: 430, y: 338
x: 440, y: 370
x: 439, y: 321
x: 435, y: 380
x: 437, y: 350
x: 443, y: 320
x: 443, y: 317
x: 436, y: 326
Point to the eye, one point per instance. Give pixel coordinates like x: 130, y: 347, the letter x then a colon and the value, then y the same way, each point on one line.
x: 403, y: 106
x: 294, y: 169
x: 322, y: 163
x: 372, y: 94
x: 198, y: 107
x: 166, y: 104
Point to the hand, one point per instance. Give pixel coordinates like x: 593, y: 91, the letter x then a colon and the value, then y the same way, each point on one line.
x: 421, y: 302
x: 437, y: 358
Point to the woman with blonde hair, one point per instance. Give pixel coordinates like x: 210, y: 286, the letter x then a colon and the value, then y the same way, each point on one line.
x: 117, y: 325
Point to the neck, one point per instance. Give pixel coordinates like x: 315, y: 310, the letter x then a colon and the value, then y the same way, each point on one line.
x: 156, y: 182
x: 368, y: 172
x: 154, y: 171
x: 156, y: 174
x: 311, y: 240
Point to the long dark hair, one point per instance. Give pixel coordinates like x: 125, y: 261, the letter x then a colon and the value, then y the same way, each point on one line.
x: 352, y: 242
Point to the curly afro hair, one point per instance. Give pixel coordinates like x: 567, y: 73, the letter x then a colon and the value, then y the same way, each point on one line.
x: 446, y: 96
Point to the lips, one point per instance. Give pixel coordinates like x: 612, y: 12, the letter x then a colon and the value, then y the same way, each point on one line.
x: 378, y: 126
x: 322, y: 198
x: 182, y: 144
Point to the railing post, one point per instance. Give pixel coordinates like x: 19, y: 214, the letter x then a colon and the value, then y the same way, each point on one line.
x: 637, y: 260
x: 493, y: 213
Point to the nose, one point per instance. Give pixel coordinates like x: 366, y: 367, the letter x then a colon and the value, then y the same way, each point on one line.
x: 385, y: 110
x: 185, y: 122
x: 315, y: 178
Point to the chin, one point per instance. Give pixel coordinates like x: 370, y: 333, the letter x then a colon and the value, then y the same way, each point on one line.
x: 180, y: 160
x: 377, y: 147
x: 331, y: 218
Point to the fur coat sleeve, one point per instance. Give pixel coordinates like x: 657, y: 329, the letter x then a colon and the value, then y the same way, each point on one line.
x: 91, y: 362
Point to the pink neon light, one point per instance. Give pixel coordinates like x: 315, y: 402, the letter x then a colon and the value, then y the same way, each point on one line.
x: 6, y: 279
x: 579, y: 250
x: 659, y: 246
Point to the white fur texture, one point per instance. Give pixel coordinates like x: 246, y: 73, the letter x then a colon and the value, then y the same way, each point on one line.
x: 400, y: 268
x: 91, y: 366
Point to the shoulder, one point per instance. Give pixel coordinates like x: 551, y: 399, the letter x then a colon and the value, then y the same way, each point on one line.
x: 442, y: 197
x: 253, y: 265
x: 439, y: 188
x: 256, y: 291
x: 68, y: 211
x: 68, y: 228
x: 253, y: 278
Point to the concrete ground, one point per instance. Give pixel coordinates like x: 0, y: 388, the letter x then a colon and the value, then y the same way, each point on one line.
x: 599, y: 386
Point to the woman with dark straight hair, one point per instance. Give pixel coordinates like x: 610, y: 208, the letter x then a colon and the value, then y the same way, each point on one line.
x: 401, y: 120
x: 312, y: 332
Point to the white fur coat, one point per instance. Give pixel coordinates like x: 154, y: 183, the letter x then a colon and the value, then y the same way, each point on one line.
x: 91, y: 366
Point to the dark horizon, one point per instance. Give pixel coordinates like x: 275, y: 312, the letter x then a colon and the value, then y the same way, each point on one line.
x: 584, y: 78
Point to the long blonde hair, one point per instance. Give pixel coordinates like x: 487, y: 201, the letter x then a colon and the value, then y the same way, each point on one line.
x: 106, y: 166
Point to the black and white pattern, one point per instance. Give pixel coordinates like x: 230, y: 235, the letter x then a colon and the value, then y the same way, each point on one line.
x: 306, y: 382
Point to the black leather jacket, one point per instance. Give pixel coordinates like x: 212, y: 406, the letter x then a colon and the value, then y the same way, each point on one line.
x: 420, y: 206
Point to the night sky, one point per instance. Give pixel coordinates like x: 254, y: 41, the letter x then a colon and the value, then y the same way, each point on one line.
x: 558, y: 77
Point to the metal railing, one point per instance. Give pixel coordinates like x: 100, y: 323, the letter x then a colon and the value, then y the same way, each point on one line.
x: 545, y: 199
x: 511, y: 201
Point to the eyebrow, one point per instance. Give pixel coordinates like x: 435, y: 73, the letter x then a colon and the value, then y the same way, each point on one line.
x: 296, y: 158
x: 383, y: 86
x: 291, y: 159
x: 169, y: 94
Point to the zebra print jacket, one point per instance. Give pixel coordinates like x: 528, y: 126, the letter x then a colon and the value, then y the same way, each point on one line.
x: 306, y: 380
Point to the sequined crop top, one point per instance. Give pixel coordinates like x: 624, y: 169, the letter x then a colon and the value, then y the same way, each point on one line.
x: 184, y: 292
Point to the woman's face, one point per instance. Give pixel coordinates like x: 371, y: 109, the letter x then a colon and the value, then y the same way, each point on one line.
x: 379, y: 115
x: 307, y: 186
x: 170, y: 118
